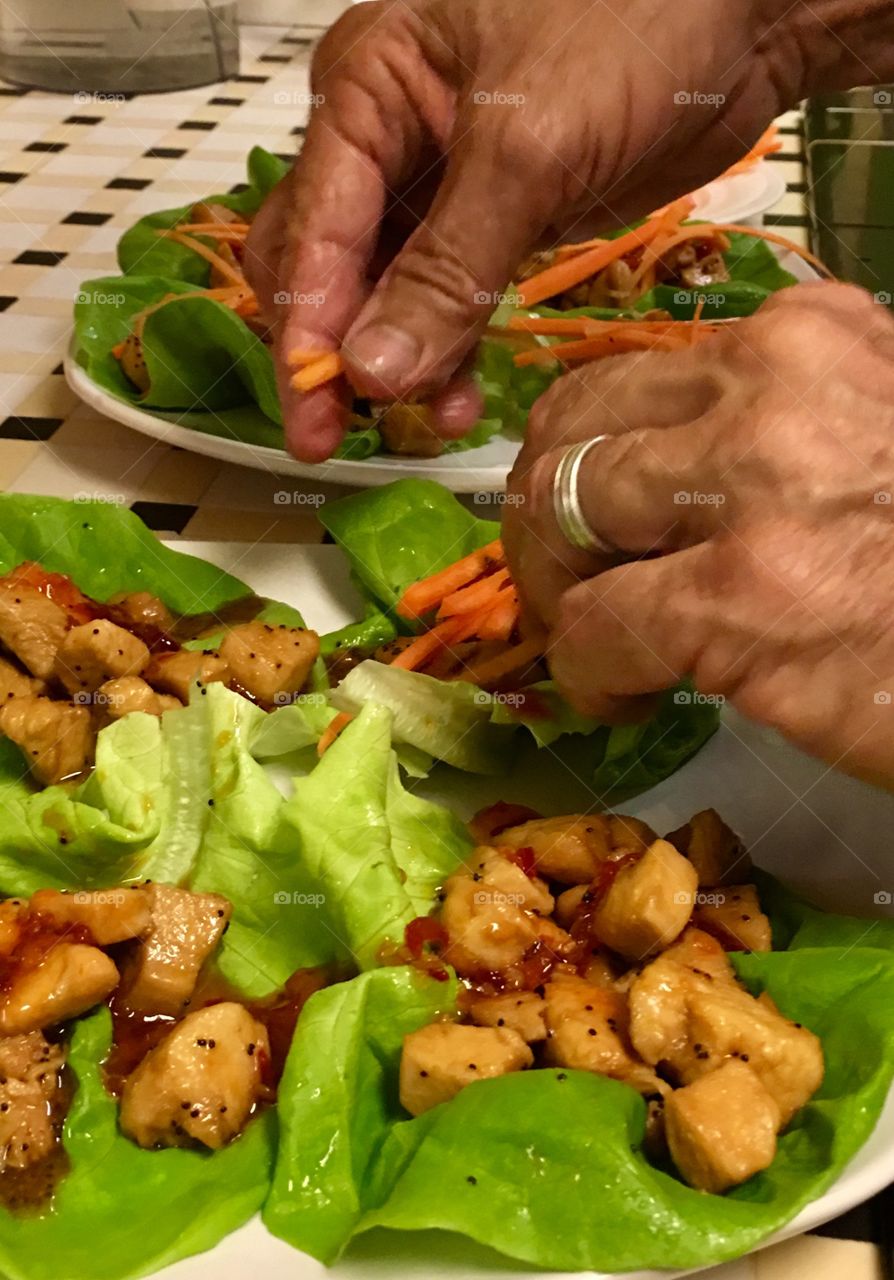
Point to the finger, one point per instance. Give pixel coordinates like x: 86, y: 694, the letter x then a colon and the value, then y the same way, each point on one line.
x: 458, y: 407
x: 432, y: 304
x: 264, y: 248
x: 632, y: 631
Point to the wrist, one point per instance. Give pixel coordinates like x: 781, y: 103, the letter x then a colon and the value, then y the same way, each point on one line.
x: 826, y: 45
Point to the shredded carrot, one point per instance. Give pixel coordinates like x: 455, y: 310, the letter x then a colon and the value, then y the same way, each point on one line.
x: 424, y: 595
x: 428, y: 644
x: 638, y: 338
x: 773, y: 237
x: 332, y: 730
x: 589, y: 326
x: 767, y: 144
x: 246, y: 306
x: 501, y: 618
x: 477, y: 594
x: 305, y: 355
x: 317, y: 372
x: 515, y: 658
x: 205, y: 252
x: 225, y: 230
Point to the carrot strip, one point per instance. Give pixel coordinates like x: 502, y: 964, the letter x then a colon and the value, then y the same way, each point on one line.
x: 638, y: 339
x: 227, y: 230
x: 773, y: 237
x: 474, y: 596
x: 299, y: 356
x: 332, y: 730
x: 574, y: 270
x: 501, y: 619
x: 204, y: 252
x: 247, y: 306
x: 317, y: 372
x: 424, y: 595
x: 517, y: 657
x: 428, y: 644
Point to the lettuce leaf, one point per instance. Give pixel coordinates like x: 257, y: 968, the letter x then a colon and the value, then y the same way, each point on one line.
x: 121, y: 1211
x: 546, y: 1166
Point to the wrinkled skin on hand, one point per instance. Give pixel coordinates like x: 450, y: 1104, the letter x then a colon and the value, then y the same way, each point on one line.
x: 452, y: 137
x: 761, y: 465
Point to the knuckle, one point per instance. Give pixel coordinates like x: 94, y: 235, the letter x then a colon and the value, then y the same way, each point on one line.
x: 343, y: 35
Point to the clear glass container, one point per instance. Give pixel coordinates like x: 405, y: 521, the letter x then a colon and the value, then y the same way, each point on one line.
x: 118, y: 46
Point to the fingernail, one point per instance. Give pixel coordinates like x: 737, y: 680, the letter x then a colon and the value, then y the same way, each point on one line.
x: 384, y: 353
x: 457, y: 409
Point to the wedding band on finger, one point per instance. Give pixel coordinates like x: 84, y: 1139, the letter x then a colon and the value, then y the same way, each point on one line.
x: 574, y: 525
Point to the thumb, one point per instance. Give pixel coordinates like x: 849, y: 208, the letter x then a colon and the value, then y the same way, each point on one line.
x: 429, y: 308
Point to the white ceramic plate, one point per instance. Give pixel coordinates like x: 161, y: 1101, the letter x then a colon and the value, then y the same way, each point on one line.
x: 825, y: 833
x: 481, y: 470
x: 741, y: 197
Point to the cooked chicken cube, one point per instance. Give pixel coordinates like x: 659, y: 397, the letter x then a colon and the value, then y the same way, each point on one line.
x: 200, y: 1083
x: 133, y: 360
x: 494, y: 913
x: 71, y: 979
x: 410, y: 429
x: 569, y: 903
x: 96, y: 652
x: 56, y: 738
x: 570, y: 849
x: 715, y: 851
x: 118, y: 698
x: 269, y: 661
x: 587, y: 1031
x: 31, y: 626
x: 721, y: 1130
x: 16, y: 684
x: 175, y: 672
x: 730, y: 1023
x: 186, y: 927
x: 694, y: 1021
x: 142, y: 609
x: 734, y: 914
x: 12, y: 912
x: 442, y: 1058
x: 520, y: 1011
x: 648, y: 904
x: 29, y: 1079
x: 659, y: 996
x: 111, y: 915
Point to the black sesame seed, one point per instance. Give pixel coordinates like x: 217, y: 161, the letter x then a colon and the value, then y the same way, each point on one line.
x: 472, y: 1180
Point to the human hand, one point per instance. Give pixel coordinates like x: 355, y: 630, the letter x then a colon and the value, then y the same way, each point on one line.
x: 452, y: 137
x: 760, y: 463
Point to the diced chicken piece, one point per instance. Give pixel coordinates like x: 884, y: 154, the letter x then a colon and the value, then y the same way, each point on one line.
x: 143, y: 609
x: 659, y: 996
x: 721, y: 1130
x: 521, y: 1011
x: 175, y: 672
x: 133, y: 360
x: 12, y: 913
x: 409, y: 429
x: 96, y: 652
x: 186, y: 927
x: 494, y: 913
x: 71, y: 979
x: 56, y: 738
x: 200, y: 1083
x: 715, y: 851
x: 694, y: 1021
x: 442, y: 1058
x: 569, y: 903
x: 648, y: 904
x: 729, y: 1023
x: 16, y: 684
x: 118, y: 698
x: 734, y: 915
x: 269, y: 661
x: 570, y: 849
x: 31, y: 626
x: 29, y: 1079
x: 587, y: 1031
x: 111, y: 915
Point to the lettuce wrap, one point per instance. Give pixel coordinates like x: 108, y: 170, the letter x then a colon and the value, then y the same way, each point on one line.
x: 547, y: 1166
x: 209, y: 372
x: 399, y: 533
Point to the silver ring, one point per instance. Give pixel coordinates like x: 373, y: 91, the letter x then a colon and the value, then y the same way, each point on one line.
x: 570, y: 517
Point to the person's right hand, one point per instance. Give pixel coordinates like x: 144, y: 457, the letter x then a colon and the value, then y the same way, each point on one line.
x: 459, y: 135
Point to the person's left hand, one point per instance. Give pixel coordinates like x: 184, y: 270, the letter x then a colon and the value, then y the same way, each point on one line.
x: 761, y: 464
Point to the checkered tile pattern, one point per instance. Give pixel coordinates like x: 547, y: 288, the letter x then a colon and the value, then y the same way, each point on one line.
x: 74, y: 175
